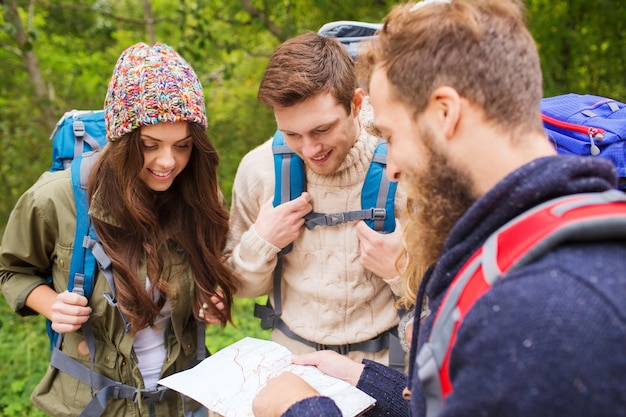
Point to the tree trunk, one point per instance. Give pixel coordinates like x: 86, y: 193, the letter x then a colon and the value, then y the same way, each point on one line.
x: 149, y: 18
x: 31, y: 64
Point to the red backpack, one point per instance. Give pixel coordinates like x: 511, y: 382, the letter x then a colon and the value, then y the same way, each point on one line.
x: 577, y: 217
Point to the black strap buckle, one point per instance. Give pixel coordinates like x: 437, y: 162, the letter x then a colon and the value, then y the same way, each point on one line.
x: 341, y: 349
x: 267, y: 315
x: 150, y: 395
x: 334, y: 219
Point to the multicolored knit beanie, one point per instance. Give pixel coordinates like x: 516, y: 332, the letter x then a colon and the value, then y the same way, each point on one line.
x: 152, y: 85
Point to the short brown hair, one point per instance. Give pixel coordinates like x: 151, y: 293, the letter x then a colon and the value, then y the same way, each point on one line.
x: 481, y: 48
x: 305, y: 66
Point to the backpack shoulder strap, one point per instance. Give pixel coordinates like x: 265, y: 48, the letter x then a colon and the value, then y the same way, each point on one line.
x: 88, y: 253
x: 289, y: 184
x: 83, y: 264
x: 288, y: 171
x: 579, y: 217
x: 378, y: 195
x: 379, y: 192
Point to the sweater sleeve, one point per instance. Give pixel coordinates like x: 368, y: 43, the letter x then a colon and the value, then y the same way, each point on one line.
x: 249, y: 255
x: 385, y: 385
x: 314, y: 407
x: 379, y: 381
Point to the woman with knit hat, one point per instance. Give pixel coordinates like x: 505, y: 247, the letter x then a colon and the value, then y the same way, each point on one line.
x: 156, y: 206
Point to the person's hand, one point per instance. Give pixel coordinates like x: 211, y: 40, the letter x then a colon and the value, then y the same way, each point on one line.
x: 283, y: 224
x: 333, y: 364
x: 69, y: 311
x: 280, y: 393
x: 205, y: 311
x: 379, y: 251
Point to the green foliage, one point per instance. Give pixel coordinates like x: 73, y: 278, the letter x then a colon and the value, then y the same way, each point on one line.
x: 582, y: 45
x: 245, y: 325
x: 24, y: 357
x: 25, y: 353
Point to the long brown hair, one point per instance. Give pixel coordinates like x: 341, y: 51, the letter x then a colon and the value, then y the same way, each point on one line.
x: 190, y: 216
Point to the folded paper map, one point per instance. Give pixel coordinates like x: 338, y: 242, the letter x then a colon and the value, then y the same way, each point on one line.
x: 228, y: 381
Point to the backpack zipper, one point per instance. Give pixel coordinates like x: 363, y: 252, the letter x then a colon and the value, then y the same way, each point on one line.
x: 594, y: 133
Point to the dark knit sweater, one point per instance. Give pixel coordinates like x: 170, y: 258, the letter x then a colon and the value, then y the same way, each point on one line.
x: 548, y: 339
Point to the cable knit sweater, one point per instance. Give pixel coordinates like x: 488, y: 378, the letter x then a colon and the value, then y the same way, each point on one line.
x: 328, y: 297
x: 547, y: 340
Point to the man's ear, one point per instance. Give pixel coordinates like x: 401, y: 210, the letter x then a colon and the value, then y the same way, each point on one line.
x: 357, y: 100
x: 446, y: 103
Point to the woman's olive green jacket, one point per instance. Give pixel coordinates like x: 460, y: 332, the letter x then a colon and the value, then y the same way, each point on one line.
x: 38, y: 243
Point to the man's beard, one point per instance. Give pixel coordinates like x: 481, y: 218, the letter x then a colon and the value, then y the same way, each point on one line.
x: 438, y: 195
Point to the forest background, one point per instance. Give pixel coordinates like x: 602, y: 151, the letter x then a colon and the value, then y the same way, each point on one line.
x: 58, y: 55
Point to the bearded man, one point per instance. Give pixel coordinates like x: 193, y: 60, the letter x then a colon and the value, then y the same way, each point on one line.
x: 456, y: 87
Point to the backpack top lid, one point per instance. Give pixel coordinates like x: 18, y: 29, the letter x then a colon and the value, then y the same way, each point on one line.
x: 77, y: 132
x: 350, y: 33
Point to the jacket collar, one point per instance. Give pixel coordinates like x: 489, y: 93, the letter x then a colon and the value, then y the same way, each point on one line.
x: 98, y: 211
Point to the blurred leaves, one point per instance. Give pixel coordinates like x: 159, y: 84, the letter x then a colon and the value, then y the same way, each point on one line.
x: 582, y: 45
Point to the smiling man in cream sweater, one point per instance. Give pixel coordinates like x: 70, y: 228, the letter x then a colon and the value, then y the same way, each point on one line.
x: 338, y: 283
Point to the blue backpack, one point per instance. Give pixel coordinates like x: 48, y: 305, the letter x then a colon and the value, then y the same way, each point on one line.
x: 588, y: 125
x: 76, y: 141
x: 77, y: 132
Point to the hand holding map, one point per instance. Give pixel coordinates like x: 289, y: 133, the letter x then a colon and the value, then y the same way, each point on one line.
x: 228, y: 381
